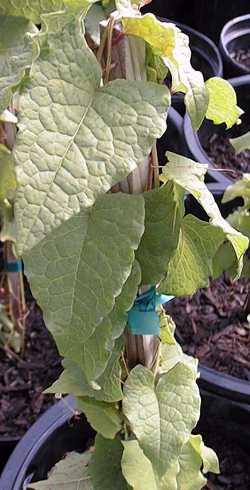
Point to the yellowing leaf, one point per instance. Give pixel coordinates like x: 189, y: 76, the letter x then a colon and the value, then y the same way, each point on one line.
x: 167, y: 40
x: 222, y: 106
x: 190, y: 176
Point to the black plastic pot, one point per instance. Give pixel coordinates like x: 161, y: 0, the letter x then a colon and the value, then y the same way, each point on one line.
x: 229, y: 387
x: 206, y: 16
x: 173, y: 139
x: 7, y: 445
x: 55, y: 434
x: 205, y: 58
x: 196, y: 142
x: 235, y: 35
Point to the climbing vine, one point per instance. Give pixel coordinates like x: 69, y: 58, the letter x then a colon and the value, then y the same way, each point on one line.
x: 100, y: 226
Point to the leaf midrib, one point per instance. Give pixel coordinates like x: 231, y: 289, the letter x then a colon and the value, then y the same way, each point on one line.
x: 58, y: 169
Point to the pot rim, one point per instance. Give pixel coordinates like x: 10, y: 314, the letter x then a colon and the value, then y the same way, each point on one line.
x: 230, y: 387
x: 202, y: 36
x: 57, y: 415
x: 33, y: 440
x: 225, y: 38
x: 192, y: 140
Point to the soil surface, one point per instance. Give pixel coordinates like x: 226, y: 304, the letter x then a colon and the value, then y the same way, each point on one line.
x: 209, y: 326
x: 220, y: 150
x: 242, y: 56
x: 225, y: 438
x: 234, y: 465
x: 23, y: 378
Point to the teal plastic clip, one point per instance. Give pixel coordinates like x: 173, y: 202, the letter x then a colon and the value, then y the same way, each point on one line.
x: 13, y: 266
x: 142, y: 318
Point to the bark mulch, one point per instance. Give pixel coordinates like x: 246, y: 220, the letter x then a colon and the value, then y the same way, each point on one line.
x: 242, y: 56
x: 220, y: 150
x: 209, y: 325
x: 24, y: 377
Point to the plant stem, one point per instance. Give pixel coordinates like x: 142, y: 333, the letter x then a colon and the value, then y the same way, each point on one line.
x: 102, y: 46
x: 155, y: 166
x: 129, y: 59
x: 109, y: 48
x: 14, y: 279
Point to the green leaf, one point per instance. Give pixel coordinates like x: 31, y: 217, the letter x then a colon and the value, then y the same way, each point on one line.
x: 190, y: 176
x: 225, y: 261
x: 162, y: 416
x: 240, y: 219
x: 15, y: 54
x: 246, y: 267
x: 167, y: 39
x: 192, y: 264
x: 184, y: 474
x: 195, y: 454
x: 241, y: 143
x: 7, y: 175
x: 171, y: 352
x: 103, y: 417
x: 190, y: 476
x: 107, y: 388
x: 78, y: 138
x: 241, y: 188
x: 222, y: 106
x: 136, y: 468
x: 71, y: 473
x: 156, y: 68
x: 167, y: 328
x: 105, y: 468
x: 168, y: 481
x: 163, y: 213
x: 210, y: 460
x: 78, y: 270
x: 98, y: 348
x: 31, y: 9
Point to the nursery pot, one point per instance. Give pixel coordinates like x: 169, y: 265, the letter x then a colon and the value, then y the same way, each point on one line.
x: 215, y: 382
x: 205, y: 58
x: 197, y: 141
x: 54, y: 434
x: 172, y: 139
x: 208, y: 17
x: 7, y: 445
x: 235, y: 36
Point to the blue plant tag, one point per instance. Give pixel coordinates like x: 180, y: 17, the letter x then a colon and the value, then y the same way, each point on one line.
x: 142, y: 318
x: 13, y: 266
